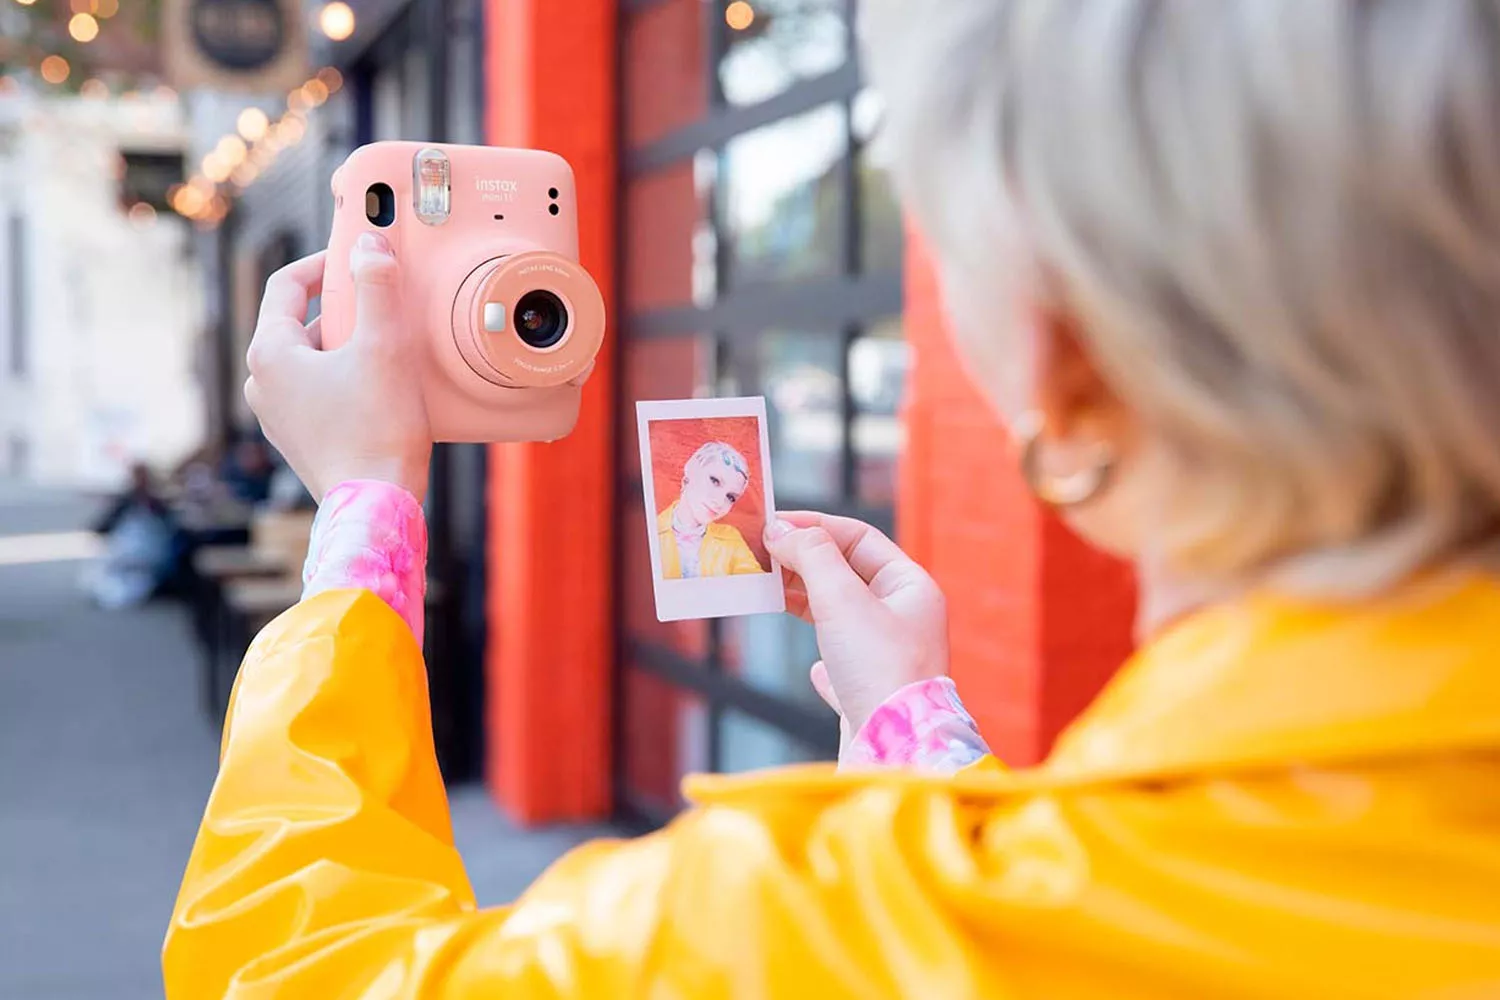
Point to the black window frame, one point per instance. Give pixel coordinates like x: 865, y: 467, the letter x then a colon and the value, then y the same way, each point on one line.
x: 845, y: 304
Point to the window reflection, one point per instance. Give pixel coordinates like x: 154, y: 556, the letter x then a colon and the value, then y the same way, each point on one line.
x: 780, y: 198
x: 772, y: 653
x: 878, y: 363
x: 786, y: 41
x: 800, y: 374
x: 746, y: 744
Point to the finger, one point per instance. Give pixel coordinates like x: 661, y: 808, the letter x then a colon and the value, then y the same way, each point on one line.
x: 377, y: 292
x: 866, y: 547
x: 289, y: 290
x: 821, y: 684
x: 832, y: 587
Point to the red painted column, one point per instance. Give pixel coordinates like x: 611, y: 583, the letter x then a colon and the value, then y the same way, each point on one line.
x: 552, y: 83
x: 1038, y: 620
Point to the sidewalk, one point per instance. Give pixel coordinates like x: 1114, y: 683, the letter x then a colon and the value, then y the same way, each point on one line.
x: 105, y: 763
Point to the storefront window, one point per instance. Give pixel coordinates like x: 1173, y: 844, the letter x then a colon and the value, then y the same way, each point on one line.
x: 878, y: 363
x: 800, y: 375
x: 780, y: 198
x: 761, y: 255
x: 747, y: 744
x: 784, y: 42
x: 772, y: 654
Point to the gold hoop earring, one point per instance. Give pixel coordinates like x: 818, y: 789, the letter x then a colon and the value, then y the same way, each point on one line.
x: 1060, y: 491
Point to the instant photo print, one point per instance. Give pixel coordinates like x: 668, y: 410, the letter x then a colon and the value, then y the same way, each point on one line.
x: 706, y: 473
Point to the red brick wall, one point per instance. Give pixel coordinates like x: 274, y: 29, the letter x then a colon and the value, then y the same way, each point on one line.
x: 1038, y: 620
x: 552, y: 634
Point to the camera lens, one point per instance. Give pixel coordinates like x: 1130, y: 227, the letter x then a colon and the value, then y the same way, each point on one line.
x: 541, y: 319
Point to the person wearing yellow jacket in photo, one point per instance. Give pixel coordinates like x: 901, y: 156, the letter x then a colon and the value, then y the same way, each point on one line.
x: 1236, y: 271
x: 692, y: 542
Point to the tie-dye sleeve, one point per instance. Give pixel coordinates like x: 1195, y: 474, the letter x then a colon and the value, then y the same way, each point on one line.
x: 923, y: 726
x: 370, y: 535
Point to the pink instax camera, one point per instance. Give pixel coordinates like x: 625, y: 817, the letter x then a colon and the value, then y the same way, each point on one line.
x: 487, y: 240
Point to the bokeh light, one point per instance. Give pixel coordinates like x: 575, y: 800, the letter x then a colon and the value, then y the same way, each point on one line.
x: 252, y: 124
x: 142, y: 214
x: 739, y: 15
x: 332, y: 78
x: 106, y: 8
x: 336, y: 20
x: 55, y: 69
x: 315, y: 91
x: 83, y: 27
x: 94, y: 89
x: 231, y: 149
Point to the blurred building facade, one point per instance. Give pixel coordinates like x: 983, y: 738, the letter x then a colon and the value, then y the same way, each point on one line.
x: 103, y: 308
x: 746, y: 244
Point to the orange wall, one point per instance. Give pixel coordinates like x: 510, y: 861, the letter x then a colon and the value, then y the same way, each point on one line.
x: 551, y: 635
x: 1038, y: 620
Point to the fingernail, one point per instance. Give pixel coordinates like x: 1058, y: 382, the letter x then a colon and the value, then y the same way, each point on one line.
x: 777, y: 529
x: 374, y: 242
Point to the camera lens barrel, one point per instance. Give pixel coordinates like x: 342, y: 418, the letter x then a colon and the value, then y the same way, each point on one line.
x: 541, y: 319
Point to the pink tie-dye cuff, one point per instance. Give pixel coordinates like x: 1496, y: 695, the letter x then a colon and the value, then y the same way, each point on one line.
x: 923, y: 726
x: 371, y: 536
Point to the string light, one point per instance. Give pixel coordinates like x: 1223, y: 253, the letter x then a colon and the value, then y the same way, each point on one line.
x: 55, y: 69
x: 85, y: 6
x: 94, y: 89
x: 739, y: 15
x: 106, y: 9
x: 252, y: 124
x: 336, y: 20
x: 83, y: 27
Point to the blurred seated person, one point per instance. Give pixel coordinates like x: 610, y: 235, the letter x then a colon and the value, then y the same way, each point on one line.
x: 144, y: 546
x: 247, y: 470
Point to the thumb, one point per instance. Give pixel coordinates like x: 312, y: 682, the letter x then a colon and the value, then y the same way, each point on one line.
x: 377, y: 291
x: 832, y: 586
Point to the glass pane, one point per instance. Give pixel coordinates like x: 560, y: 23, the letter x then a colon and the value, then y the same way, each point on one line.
x: 778, y: 43
x: 772, y: 653
x: 878, y: 363
x: 689, y: 639
x: 800, y: 376
x: 746, y: 743
x: 665, y: 738
x: 881, y: 233
x: 663, y: 65
x: 660, y: 368
x: 781, y: 198
x: 669, y: 242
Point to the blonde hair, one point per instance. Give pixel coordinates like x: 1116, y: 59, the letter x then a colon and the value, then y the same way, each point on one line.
x: 719, y: 453
x: 1279, y: 221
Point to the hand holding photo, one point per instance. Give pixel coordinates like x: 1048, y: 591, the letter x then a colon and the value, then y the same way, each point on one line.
x: 708, y: 499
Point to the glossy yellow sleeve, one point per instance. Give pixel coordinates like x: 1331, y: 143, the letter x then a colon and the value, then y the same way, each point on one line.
x: 742, y: 558
x: 325, y: 868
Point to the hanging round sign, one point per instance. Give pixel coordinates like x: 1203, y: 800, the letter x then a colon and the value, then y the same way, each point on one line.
x: 239, y: 35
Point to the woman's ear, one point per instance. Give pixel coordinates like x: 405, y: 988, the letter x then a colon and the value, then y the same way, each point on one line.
x: 1071, y: 395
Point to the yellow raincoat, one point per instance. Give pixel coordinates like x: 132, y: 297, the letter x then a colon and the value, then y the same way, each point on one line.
x: 724, y: 552
x: 1273, y: 800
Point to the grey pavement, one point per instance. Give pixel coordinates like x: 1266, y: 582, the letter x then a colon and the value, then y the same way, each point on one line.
x: 105, y: 763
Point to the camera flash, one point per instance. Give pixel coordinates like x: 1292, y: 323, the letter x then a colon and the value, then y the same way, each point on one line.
x: 432, y: 186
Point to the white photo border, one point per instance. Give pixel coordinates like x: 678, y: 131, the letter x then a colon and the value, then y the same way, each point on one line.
x: 708, y: 597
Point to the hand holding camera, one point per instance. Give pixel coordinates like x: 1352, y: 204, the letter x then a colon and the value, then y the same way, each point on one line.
x: 484, y: 331
x: 351, y: 413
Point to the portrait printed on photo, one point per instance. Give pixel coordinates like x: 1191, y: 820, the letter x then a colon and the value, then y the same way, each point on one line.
x: 708, y: 498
